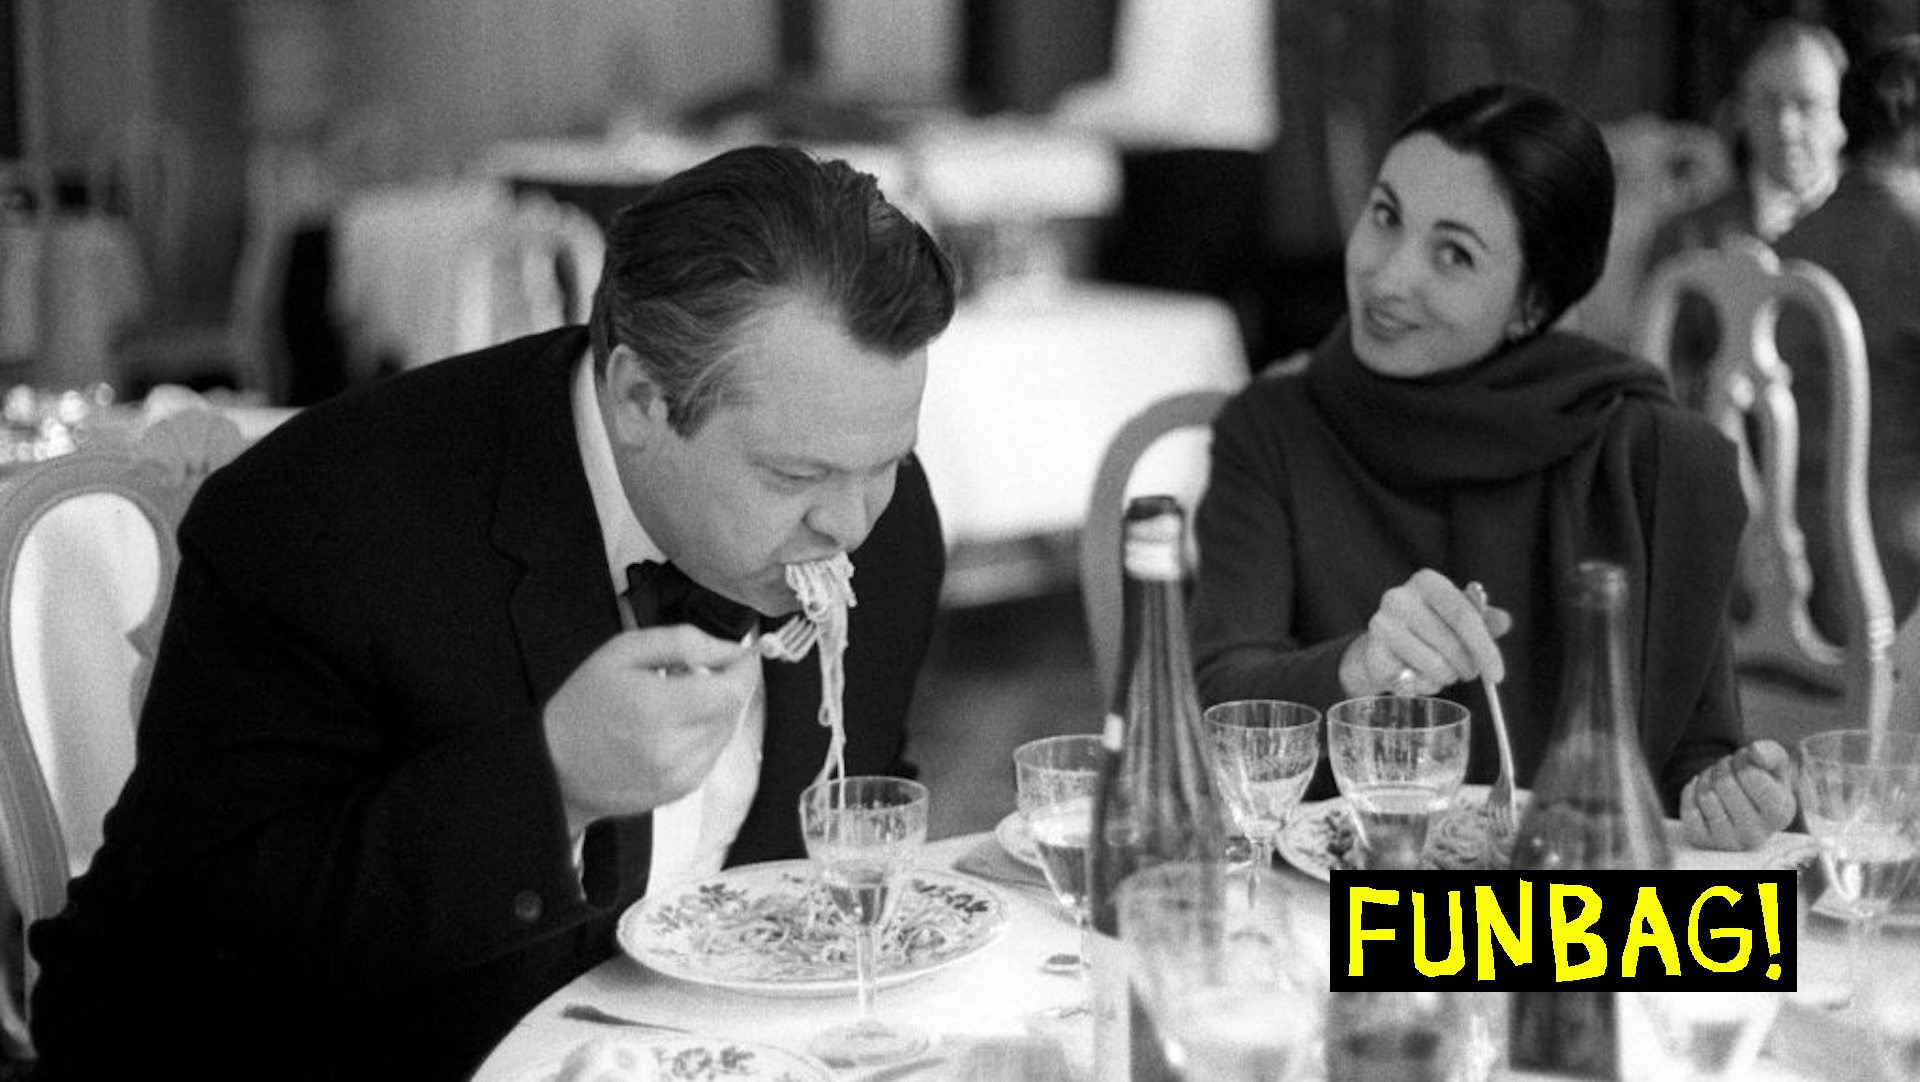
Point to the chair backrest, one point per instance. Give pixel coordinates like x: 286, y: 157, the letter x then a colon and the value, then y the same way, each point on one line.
x: 1100, y: 578
x: 532, y: 270
x: 89, y: 557
x: 27, y: 207
x: 142, y: 168
x: 1749, y: 397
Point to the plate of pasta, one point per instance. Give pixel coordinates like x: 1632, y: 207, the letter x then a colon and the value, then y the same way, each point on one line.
x: 1319, y: 838
x: 772, y: 929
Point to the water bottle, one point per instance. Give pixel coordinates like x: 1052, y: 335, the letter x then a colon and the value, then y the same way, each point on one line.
x: 1156, y: 800
x: 1594, y: 806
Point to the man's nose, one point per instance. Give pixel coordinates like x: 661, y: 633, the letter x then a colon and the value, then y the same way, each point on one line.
x: 840, y: 515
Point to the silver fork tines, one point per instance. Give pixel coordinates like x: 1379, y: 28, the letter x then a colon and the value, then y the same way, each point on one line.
x: 791, y: 641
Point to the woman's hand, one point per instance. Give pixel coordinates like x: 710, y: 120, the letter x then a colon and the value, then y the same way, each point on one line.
x: 1426, y: 635
x: 1739, y: 802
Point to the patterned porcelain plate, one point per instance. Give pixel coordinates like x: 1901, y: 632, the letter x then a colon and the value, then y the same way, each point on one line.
x: 771, y: 929
x: 1013, y: 837
x: 690, y: 1058
x: 1320, y: 832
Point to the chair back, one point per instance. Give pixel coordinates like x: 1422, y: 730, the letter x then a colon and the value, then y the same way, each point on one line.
x: 142, y: 169
x: 27, y: 208
x: 532, y: 270
x: 89, y: 548
x: 1100, y: 577
x: 1749, y: 397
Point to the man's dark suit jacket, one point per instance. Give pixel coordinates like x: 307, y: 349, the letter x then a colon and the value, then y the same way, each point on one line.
x: 342, y: 852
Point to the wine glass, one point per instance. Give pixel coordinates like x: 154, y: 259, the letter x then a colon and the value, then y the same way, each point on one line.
x: 1860, y: 794
x: 1055, y: 779
x: 1263, y: 752
x: 861, y: 833
x: 1711, y: 1034
x: 1398, y: 760
x: 1233, y: 993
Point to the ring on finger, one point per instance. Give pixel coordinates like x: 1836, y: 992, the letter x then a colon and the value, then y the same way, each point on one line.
x: 1405, y: 681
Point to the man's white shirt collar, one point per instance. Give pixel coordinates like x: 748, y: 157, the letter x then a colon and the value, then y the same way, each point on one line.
x: 690, y: 835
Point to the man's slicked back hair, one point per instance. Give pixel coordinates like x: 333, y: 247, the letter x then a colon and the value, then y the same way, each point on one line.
x: 709, y: 249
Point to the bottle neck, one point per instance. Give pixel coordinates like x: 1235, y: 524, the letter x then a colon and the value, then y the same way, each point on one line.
x: 1154, y: 639
x: 1599, y: 687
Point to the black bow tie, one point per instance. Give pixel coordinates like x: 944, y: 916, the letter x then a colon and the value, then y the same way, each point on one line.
x: 663, y: 594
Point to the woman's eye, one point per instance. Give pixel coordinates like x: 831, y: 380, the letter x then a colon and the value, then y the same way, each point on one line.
x: 1453, y: 255
x: 1383, y: 215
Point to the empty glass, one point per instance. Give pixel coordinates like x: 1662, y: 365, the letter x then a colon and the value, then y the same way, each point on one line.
x: 1264, y: 752
x: 1233, y: 993
x: 1711, y: 1034
x: 861, y: 833
x: 1398, y: 760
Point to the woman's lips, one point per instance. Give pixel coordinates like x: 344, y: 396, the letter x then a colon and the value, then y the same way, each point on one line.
x: 1383, y: 324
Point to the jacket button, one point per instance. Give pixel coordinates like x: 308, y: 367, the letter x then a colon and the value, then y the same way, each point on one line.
x: 527, y: 906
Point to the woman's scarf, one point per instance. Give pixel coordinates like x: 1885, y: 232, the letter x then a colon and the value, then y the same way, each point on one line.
x: 1516, y: 450
x: 1516, y: 413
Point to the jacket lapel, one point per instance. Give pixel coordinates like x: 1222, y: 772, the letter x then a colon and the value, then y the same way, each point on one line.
x: 564, y: 606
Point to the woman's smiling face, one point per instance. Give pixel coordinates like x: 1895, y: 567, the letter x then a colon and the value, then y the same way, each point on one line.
x: 1435, y: 271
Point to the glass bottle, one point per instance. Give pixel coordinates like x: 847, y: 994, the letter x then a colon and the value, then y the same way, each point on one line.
x: 1156, y: 800
x: 1594, y: 806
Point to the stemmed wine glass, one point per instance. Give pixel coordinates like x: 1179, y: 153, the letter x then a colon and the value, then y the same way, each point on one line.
x: 1263, y: 753
x: 1398, y: 761
x: 861, y: 833
x: 1233, y: 994
x: 1860, y: 794
x: 1711, y: 1034
x: 1055, y: 779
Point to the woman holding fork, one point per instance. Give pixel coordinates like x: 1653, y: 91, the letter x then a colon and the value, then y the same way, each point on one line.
x: 1444, y: 434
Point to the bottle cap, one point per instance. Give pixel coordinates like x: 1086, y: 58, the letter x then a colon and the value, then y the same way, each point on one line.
x: 1155, y: 526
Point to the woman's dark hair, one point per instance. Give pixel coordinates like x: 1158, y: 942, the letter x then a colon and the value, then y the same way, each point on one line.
x: 710, y: 248
x: 1880, y: 99
x: 1558, y: 179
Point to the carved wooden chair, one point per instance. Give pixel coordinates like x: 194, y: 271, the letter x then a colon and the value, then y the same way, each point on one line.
x: 1749, y: 396
x: 89, y: 559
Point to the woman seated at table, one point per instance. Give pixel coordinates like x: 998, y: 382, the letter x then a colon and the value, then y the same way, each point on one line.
x: 1444, y: 434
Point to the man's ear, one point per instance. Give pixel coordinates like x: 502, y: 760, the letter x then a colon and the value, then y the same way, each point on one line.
x: 636, y: 408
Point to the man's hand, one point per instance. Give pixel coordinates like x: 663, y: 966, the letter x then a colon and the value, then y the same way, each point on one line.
x: 642, y: 720
x: 1740, y: 801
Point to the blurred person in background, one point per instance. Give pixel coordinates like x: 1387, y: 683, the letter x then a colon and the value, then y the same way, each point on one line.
x: 1444, y: 434
x: 1784, y: 119
x: 1867, y: 235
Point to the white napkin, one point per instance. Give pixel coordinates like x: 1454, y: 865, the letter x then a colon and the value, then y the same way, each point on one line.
x: 608, y: 1059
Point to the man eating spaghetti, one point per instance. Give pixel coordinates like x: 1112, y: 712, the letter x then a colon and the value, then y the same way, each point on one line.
x: 458, y: 664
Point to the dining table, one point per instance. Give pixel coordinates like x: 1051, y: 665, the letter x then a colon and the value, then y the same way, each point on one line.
x: 985, y: 1002
x: 1023, y: 397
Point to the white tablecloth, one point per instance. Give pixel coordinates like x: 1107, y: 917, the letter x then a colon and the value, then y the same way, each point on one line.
x: 986, y: 995
x: 1021, y: 402
x: 989, y: 995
